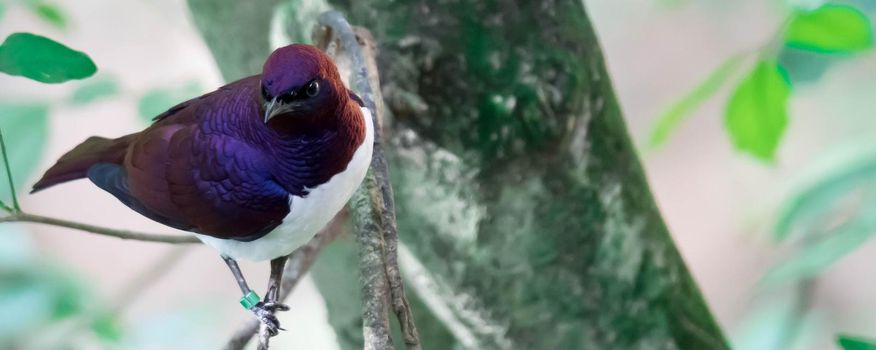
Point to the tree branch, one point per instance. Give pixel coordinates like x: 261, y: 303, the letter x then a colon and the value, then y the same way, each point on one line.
x: 373, y: 206
x: 123, y: 234
x: 298, y: 264
x: 400, y: 305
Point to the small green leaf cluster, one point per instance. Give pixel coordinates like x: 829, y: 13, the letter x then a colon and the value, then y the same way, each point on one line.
x: 835, y: 212
x: 756, y: 114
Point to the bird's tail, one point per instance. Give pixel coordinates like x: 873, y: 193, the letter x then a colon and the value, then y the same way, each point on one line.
x: 75, y: 164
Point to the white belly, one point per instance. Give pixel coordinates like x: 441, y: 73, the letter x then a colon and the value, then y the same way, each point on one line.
x: 308, y: 214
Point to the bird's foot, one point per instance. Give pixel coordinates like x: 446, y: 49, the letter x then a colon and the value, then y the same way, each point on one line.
x: 274, y: 306
x: 264, y: 312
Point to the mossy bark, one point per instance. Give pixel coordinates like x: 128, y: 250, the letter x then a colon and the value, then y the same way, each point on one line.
x: 519, y: 195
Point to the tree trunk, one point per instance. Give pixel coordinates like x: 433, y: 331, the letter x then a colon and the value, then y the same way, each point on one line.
x: 525, y: 216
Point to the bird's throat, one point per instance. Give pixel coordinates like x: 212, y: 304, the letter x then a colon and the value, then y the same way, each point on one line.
x: 312, y: 151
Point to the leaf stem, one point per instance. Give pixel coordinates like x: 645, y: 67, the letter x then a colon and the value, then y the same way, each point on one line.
x: 15, y: 207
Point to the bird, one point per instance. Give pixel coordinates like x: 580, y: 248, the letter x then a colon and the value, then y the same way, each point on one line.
x: 254, y: 169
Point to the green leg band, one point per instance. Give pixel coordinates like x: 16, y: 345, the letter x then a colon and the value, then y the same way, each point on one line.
x: 249, y: 300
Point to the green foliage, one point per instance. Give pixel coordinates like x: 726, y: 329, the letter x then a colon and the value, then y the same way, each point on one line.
x: 107, y: 328
x: 34, y: 295
x: 158, y: 100
x: 94, y: 90
x: 815, y: 257
x: 25, y: 130
x: 36, y: 292
x: 46, y: 300
x: 856, y: 343
x: 43, y: 59
x: 811, y: 206
x: 756, y: 115
x: 51, y: 14
x: 676, y: 113
x: 804, y: 66
x: 835, y: 214
x: 831, y: 28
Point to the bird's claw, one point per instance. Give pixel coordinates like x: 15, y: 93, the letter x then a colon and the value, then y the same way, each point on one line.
x: 275, y: 306
x: 264, y: 312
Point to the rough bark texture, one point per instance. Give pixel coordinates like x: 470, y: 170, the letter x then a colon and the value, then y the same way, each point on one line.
x: 525, y: 216
x: 517, y: 186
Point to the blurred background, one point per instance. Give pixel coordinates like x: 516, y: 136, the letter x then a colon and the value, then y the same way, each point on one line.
x: 777, y: 240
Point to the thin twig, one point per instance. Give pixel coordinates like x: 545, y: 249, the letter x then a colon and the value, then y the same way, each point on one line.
x: 374, y: 209
x: 296, y: 267
x: 400, y: 304
x: 123, y: 234
x: 15, y: 205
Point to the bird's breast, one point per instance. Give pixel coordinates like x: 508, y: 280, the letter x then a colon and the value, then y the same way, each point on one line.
x: 309, y: 212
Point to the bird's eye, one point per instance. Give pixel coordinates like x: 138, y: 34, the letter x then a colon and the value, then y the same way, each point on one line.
x: 312, y: 89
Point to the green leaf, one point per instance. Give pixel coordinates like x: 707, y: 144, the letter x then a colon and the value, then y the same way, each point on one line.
x: 25, y: 130
x: 107, y: 328
x: 756, y: 115
x: 51, y: 14
x: 672, y: 117
x: 94, y: 90
x: 855, y: 343
x: 825, y: 250
x: 156, y: 101
x: 42, y: 59
x: 832, y: 28
x: 810, y: 206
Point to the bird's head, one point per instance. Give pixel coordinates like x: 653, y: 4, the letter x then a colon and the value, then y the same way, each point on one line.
x: 300, y: 82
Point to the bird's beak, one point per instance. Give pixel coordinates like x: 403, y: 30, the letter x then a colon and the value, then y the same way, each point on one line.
x: 270, y: 109
x: 277, y: 107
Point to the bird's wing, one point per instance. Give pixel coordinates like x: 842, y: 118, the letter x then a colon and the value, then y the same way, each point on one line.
x: 191, y: 169
x: 224, y: 185
x: 113, y: 179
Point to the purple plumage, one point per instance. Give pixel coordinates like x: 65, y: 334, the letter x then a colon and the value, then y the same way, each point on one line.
x: 256, y: 167
x: 226, y: 164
